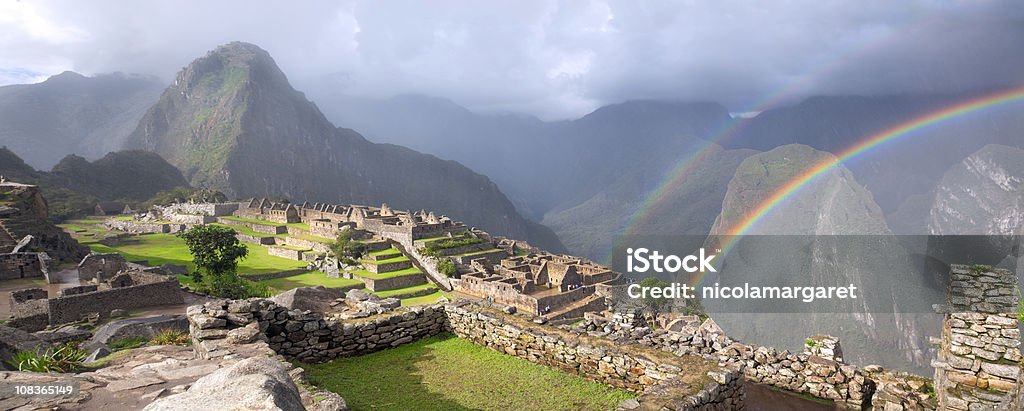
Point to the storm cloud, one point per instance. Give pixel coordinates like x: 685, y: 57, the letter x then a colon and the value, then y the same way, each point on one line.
x: 554, y: 60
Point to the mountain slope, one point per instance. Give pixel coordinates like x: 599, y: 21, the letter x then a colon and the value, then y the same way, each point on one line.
x: 75, y: 185
x: 232, y: 122
x: 984, y: 194
x: 831, y: 232
x: 72, y: 114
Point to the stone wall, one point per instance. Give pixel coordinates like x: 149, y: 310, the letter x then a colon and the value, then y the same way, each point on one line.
x: 393, y: 282
x: 427, y: 265
x: 265, y: 228
x: 661, y: 379
x: 285, y: 253
x: 501, y: 293
x: 141, y: 227
x: 206, y: 209
x: 100, y: 267
x: 21, y: 265
x: 303, y: 243
x: 805, y: 373
x: 979, y: 361
x: 308, y: 337
x: 245, y: 238
x: 629, y: 366
x: 152, y: 290
x: 379, y: 268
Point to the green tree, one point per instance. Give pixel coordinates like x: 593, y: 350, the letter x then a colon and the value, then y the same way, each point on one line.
x: 654, y: 304
x: 346, y: 248
x: 446, y: 267
x: 215, y: 252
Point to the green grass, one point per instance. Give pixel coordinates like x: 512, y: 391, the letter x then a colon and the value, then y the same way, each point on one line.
x: 310, y: 279
x: 446, y: 373
x: 423, y: 300
x: 406, y: 290
x: 302, y: 226
x: 292, y: 247
x: 390, y: 274
x: 160, y: 249
x: 389, y: 251
x: 477, y: 253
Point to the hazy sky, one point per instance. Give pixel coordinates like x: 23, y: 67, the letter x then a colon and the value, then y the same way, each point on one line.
x: 551, y: 59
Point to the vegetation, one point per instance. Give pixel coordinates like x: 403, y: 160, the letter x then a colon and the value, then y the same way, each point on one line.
x: 170, y: 336
x: 447, y: 267
x: 433, y: 249
x: 449, y: 373
x: 654, y: 304
x: 310, y: 279
x: 406, y: 290
x: 215, y: 254
x: 423, y: 300
x: 66, y: 358
x: 980, y: 268
x: 347, y: 249
x: 157, y: 249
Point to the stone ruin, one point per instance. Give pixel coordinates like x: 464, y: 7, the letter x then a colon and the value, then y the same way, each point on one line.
x: 660, y: 379
x: 979, y: 361
x: 541, y: 283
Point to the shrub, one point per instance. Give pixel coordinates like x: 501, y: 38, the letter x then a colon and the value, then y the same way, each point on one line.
x: 66, y: 358
x: 446, y: 267
x: 170, y: 336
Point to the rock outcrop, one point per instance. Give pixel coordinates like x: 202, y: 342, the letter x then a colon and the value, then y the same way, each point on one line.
x: 251, y: 384
x: 984, y: 194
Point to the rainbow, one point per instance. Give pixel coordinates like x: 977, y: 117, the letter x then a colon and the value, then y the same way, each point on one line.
x: 893, y: 133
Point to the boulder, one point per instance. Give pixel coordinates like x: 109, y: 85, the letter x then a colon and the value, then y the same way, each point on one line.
x: 317, y: 299
x: 244, y: 335
x: 65, y: 334
x: 145, y: 327
x: 256, y: 383
x: 354, y: 297
x: 13, y: 340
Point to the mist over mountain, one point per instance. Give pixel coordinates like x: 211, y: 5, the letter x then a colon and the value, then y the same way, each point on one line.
x: 834, y: 234
x: 73, y: 114
x: 232, y: 122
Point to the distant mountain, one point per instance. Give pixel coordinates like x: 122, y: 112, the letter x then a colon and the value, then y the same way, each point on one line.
x: 832, y: 204
x: 73, y: 114
x: 830, y: 232
x: 898, y: 170
x: 983, y: 194
x: 75, y: 185
x: 232, y: 122
x: 136, y: 175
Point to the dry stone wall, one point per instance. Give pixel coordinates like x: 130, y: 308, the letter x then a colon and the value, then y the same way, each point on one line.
x: 22, y: 265
x: 309, y: 337
x: 152, y: 290
x: 979, y: 363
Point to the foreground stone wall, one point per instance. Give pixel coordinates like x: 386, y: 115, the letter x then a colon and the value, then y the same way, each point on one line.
x: 629, y: 366
x: 979, y: 362
x: 308, y: 337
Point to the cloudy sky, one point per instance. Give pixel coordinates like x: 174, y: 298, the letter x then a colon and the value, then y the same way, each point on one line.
x: 551, y: 59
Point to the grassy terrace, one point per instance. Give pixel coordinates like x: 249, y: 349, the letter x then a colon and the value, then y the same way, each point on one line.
x: 424, y: 300
x: 476, y: 253
x: 157, y: 249
x: 389, y: 251
x: 390, y: 274
x: 406, y: 290
x: 449, y: 373
x: 310, y: 279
